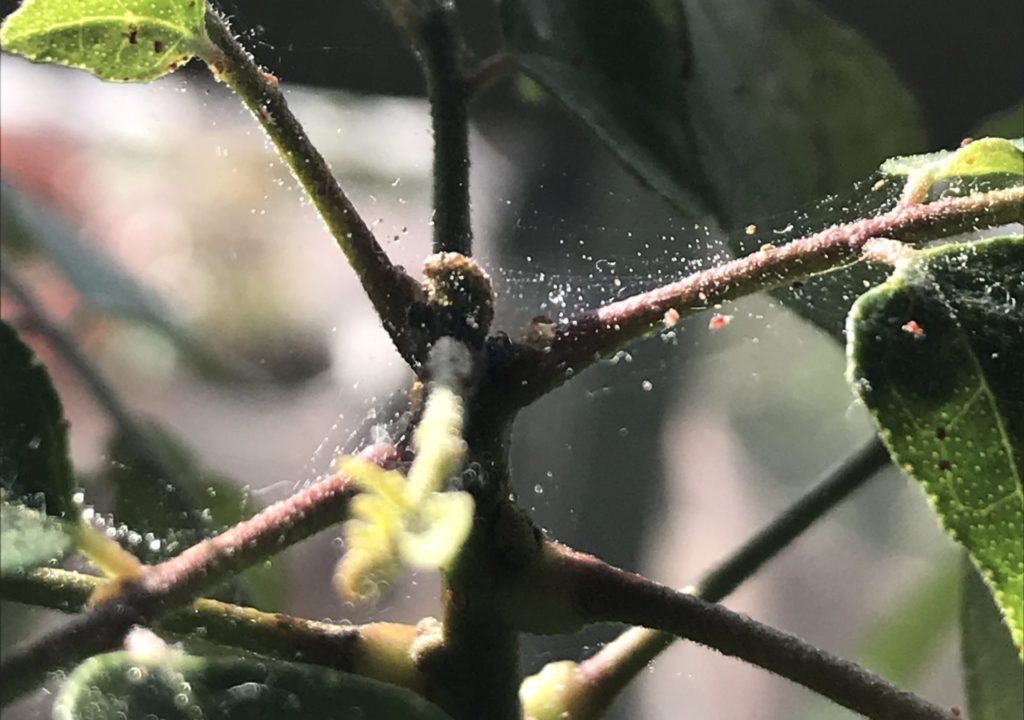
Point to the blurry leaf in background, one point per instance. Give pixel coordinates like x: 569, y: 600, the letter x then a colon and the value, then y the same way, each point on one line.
x: 118, y: 40
x: 1008, y: 124
x: 619, y: 67
x: 174, y: 686
x: 29, y: 539
x: 167, y: 522
x: 993, y: 673
x: 936, y: 354
x: 743, y: 108
x: 908, y: 637
x: 789, y: 105
x: 29, y: 224
x: 35, y: 468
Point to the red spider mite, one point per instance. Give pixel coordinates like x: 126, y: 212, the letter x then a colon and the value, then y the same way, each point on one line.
x: 719, y: 321
x: 911, y: 327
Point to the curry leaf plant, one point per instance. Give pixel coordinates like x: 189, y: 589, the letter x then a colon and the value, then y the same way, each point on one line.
x: 936, y: 347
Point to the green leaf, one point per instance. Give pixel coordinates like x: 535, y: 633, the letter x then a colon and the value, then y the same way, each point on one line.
x: 618, y: 66
x: 34, y: 465
x: 987, y: 156
x: 993, y: 673
x: 936, y: 353
x: 173, y: 686
x: 118, y: 40
x: 29, y: 539
x: 746, y: 108
x: 789, y: 104
x: 147, y: 504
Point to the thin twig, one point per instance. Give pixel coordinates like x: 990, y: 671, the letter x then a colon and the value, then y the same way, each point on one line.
x: 441, y: 48
x: 581, y: 341
x: 389, y: 288
x: 166, y: 586
x: 106, y: 396
x: 611, y: 669
x: 344, y: 647
x: 579, y: 588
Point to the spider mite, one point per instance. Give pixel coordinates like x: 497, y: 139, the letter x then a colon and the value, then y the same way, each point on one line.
x: 719, y: 321
x: 912, y: 328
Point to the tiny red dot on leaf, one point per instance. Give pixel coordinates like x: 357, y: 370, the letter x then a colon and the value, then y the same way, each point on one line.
x: 719, y: 321
x: 911, y: 327
x: 955, y: 710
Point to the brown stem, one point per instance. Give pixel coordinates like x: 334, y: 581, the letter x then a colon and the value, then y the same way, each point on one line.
x: 175, y: 582
x: 579, y: 342
x: 573, y: 588
x: 377, y: 650
x: 442, y: 49
x: 389, y: 288
x: 609, y: 671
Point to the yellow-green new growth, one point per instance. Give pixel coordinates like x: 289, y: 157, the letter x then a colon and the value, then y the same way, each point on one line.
x: 411, y: 522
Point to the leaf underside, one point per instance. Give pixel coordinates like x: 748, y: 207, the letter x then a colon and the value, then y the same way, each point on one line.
x: 174, y: 686
x: 936, y: 354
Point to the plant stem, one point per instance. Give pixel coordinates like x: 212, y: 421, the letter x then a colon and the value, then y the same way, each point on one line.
x: 582, y: 589
x: 389, y: 288
x: 581, y: 341
x: 611, y: 669
x: 166, y: 586
x: 476, y: 670
x: 442, y: 49
x: 373, y: 650
x: 133, y: 432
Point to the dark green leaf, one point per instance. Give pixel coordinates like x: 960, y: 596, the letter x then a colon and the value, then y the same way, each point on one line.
x: 936, y: 353
x: 993, y: 672
x: 790, y: 105
x: 170, y: 517
x: 619, y: 67
x: 173, y: 686
x: 120, y: 40
x: 29, y: 539
x: 746, y: 108
x: 34, y: 464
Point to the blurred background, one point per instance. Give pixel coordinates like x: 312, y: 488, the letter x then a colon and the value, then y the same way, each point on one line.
x: 156, y: 225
